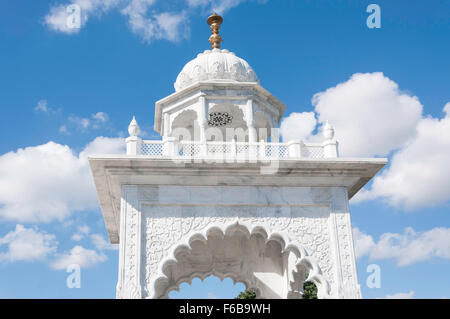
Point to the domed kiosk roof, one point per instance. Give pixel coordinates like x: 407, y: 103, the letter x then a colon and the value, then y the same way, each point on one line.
x: 215, y: 64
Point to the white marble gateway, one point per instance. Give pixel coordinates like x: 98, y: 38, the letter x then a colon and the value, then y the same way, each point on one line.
x: 219, y: 194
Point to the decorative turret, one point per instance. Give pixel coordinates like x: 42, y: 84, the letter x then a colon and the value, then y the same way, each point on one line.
x: 133, y: 128
x: 215, y: 64
x: 134, y: 143
x: 215, y: 92
x: 328, y: 131
x: 330, y: 145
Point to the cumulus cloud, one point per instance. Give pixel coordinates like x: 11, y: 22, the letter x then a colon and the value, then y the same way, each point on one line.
x: 373, y: 117
x: 103, y: 145
x: 370, y: 114
x: 298, y: 126
x: 95, y: 121
x: 57, y: 18
x: 82, y: 231
x: 148, y: 24
x: 165, y: 25
x: 363, y: 243
x: 42, y: 107
x: 48, y: 182
x: 101, y: 117
x: 401, y: 295
x: 27, y: 244
x: 143, y: 17
x: 407, y: 248
x: 100, y: 243
x: 78, y: 255
x: 419, y: 173
x: 218, y: 6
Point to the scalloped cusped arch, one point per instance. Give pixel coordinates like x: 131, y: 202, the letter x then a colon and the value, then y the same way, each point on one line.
x: 268, y: 264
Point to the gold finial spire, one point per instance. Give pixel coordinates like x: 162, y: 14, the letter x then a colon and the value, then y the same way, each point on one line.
x: 215, y: 21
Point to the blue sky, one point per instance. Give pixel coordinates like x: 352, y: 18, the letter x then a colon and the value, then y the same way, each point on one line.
x: 72, y: 89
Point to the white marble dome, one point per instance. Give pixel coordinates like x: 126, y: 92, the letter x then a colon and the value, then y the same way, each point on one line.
x: 215, y: 64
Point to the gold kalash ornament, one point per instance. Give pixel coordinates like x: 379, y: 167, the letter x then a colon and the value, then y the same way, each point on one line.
x: 215, y: 21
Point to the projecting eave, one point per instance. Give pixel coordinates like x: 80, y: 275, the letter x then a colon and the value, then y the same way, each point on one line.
x: 110, y: 172
x: 198, y: 87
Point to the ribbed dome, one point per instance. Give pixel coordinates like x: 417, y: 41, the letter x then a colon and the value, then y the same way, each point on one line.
x: 215, y: 64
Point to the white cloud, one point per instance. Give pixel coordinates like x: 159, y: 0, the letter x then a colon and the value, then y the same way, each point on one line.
x: 419, y: 173
x: 143, y: 17
x: 82, y: 231
x: 371, y: 116
x: 103, y: 145
x: 401, y: 295
x: 42, y: 107
x: 78, y: 255
x: 82, y: 123
x: 298, y: 126
x: 27, y: 244
x: 101, y: 244
x: 100, y: 117
x: 48, y: 182
x: 407, y: 248
x: 363, y: 243
x: 170, y: 26
x: 77, y: 237
x: 148, y: 24
x: 95, y: 121
x: 56, y: 19
x: 63, y: 129
x: 218, y: 6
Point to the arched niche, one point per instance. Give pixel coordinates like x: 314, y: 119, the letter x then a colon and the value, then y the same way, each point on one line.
x: 216, y: 129
x: 262, y: 126
x: 185, y: 126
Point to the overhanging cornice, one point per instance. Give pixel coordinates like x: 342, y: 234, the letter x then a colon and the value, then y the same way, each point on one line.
x: 111, y: 172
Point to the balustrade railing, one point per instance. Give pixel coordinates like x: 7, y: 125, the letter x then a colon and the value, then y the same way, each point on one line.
x: 195, y: 149
x: 173, y: 148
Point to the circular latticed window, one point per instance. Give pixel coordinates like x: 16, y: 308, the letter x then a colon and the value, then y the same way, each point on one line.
x: 219, y: 119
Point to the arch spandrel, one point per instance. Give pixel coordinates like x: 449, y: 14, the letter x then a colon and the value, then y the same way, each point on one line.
x: 259, y: 262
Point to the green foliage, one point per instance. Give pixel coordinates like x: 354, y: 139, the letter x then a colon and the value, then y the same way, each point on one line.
x: 248, y: 294
x: 309, y: 290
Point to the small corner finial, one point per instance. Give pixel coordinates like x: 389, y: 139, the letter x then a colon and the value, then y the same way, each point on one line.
x: 133, y: 128
x: 328, y: 131
x: 215, y: 21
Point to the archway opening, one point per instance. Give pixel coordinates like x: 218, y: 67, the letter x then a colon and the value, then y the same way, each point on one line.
x: 185, y: 126
x: 209, y: 288
x: 264, y: 264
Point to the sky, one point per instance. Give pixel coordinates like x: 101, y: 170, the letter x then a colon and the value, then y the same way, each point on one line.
x: 67, y: 93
